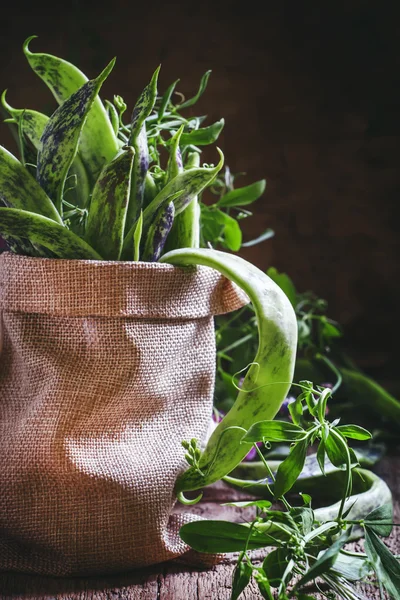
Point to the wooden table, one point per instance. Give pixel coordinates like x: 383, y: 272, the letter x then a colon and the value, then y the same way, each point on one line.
x: 168, y: 581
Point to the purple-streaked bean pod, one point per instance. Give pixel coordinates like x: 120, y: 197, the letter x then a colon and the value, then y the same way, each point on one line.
x: 158, y: 232
x: 185, y: 232
x: 60, y: 138
x: 138, y: 139
x: 98, y: 143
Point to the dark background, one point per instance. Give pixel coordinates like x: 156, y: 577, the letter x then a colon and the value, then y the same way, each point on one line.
x: 311, y: 96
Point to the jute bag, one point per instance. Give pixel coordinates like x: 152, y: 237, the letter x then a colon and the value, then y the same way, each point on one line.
x: 105, y: 368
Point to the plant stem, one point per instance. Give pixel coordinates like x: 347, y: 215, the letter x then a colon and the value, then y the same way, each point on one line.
x: 270, y: 473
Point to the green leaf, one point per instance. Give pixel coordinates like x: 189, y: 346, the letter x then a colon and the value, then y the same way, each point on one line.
x: 380, y: 520
x: 322, y: 402
x: 275, y: 565
x: 203, y: 136
x: 336, y: 451
x: 222, y: 536
x: 304, y: 516
x: 18, y: 189
x: 285, y: 283
x: 220, y: 227
x: 267, y: 235
x: 329, y: 330
x: 45, y: 232
x: 385, y: 565
x: 354, y: 432
x: 60, y: 138
x: 273, y: 431
x: 326, y: 560
x: 296, y: 411
x: 108, y: 208
x: 201, y: 90
x: 241, y: 578
x: 352, y: 567
x: 98, y: 144
x: 243, y: 196
x: 261, y: 504
x: 290, y: 469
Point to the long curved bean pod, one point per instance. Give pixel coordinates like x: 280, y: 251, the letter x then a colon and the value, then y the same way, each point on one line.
x: 60, y: 138
x: 98, y: 143
x: 269, y: 377
x: 372, y: 492
x: 18, y: 189
x: 158, y: 233
x: 250, y: 476
x: 108, y: 208
x: 32, y: 124
x: 45, y: 232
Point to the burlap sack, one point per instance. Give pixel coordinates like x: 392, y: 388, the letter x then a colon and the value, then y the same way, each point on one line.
x: 105, y: 368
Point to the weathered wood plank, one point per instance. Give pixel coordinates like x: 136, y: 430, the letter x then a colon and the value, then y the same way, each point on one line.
x: 172, y: 581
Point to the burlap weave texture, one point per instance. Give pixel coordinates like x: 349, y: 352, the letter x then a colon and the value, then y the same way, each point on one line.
x: 105, y: 368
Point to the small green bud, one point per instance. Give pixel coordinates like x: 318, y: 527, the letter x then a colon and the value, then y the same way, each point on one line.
x: 189, y: 459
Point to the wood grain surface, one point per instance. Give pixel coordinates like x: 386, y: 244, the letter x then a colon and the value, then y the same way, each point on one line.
x: 171, y: 581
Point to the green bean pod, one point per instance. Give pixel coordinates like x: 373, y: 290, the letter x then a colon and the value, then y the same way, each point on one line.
x: 139, y: 173
x: 369, y: 492
x: 60, y: 138
x: 175, y: 165
x: 108, y: 208
x: 32, y: 124
x: 138, y: 139
x: 98, y: 143
x: 372, y: 492
x: 185, y: 232
x: 250, y: 476
x: 270, y: 375
x: 60, y: 241
x: 184, y: 187
x: 158, y: 233
x: 150, y: 189
x: 20, y: 190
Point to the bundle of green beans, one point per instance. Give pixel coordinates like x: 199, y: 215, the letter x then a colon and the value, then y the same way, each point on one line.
x: 88, y: 186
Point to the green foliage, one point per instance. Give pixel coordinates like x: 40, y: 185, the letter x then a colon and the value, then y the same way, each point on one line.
x: 307, y: 547
x: 79, y: 150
